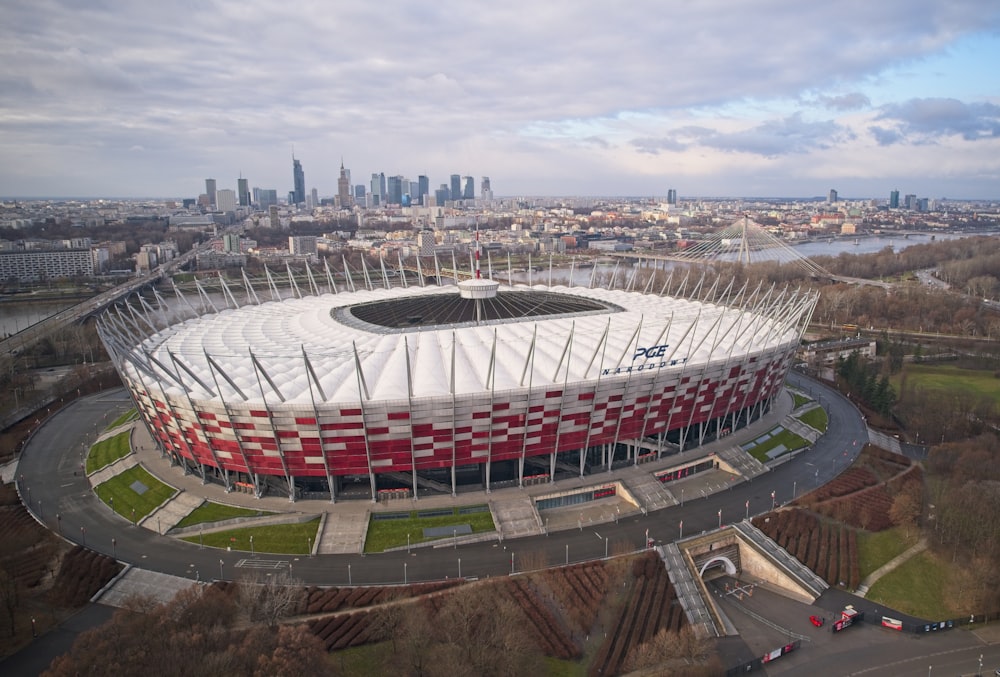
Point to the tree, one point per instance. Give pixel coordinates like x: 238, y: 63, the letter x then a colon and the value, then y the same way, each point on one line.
x: 268, y: 599
x: 906, y: 507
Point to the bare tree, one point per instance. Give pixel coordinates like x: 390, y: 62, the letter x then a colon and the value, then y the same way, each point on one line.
x: 268, y: 599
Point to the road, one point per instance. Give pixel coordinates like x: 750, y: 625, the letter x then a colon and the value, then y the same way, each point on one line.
x: 51, y: 479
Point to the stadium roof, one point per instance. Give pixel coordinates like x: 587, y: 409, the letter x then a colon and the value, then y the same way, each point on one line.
x: 339, y: 347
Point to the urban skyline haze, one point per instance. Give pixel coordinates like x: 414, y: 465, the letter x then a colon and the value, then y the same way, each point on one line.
x: 761, y: 99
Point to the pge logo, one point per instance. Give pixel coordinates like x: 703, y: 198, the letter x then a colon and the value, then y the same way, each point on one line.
x: 652, y: 352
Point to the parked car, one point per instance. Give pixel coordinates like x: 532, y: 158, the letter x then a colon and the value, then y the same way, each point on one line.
x: 816, y: 620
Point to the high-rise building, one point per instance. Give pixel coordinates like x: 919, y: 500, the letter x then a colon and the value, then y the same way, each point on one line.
x: 266, y: 197
x: 469, y: 193
x: 315, y: 197
x: 376, y: 190
x: 299, y: 177
x: 302, y: 245
x: 395, y: 190
x: 832, y: 198
x: 911, y: 202
x: 423, y: 188
x: 671, y: 196
x: 484, y: 189
x: 442, y: 195
x: 243, y: 191
x: 426, y: 242
x: 272, y: 213
x: 456, y: 187
x: 210, y: 191
x: 225, y: 200
x: 344, y: 187
x: 894, y: 199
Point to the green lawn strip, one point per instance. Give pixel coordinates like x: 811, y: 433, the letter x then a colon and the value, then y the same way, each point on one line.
x: 107, y: 451
x: 948, y: 378
x: 392, y: 533
x: 906, y: 588
x: 786, y: 437
x: 284, y: 539
x: 129, y: 415
x: 367, y: 660
x: 815, y: 418
x: 799, y: 400
x: 216, y: 512
x: 877, y: 548
x: 118, y: 493
x: 555, y: 667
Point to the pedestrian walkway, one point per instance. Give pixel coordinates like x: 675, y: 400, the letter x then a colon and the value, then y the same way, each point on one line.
x: 896, y: 561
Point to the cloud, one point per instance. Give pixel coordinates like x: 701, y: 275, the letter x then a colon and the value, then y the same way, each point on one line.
x: 446, y: 87
x: 930, y: 118
x: 789, y: 135
x: 845, y: 102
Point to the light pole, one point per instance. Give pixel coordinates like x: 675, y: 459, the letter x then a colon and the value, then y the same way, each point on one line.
x: 454, y: 539
x: 83, y: 535
x: 793, y: 490
x: 460, y: 567
x: 605, y: 547
x: 201, y: 538
x: 114, y: 547
x: 720, y: 518
x: 309, y: 549
x: 748, y: 509
x: 512, y: 562
x: 222, y: 575
x: 682, y: 528
x: 682, y: 497
x: 111, y: 500
x: 772, y: 500
x: 567, y: 554
x: 407, y: 543
x: 404, y: 573
x: 59, y: 523
x: 349, y: 581
x: 251, y: 546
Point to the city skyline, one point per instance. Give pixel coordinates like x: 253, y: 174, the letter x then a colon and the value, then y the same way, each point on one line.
x: 774, y: 99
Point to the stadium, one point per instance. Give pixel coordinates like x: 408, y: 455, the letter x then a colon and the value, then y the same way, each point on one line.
x: 351, y: 392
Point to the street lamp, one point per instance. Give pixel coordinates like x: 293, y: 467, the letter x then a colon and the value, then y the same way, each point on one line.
x: 682, y: 528
x: 748, y: 509
x: 720, y: 518
x: 605, y: 547
x: 567, y: 554
x: 222, y: 576
x: 404, y: 573
x: 682, y: 497
x: 310, y: 550
x: 407, y: 543
x: 349, y: 582
x: 83, y: 535
x: 793, y: 490
x: 511, y: 562
x: 59, y: 523
x: 114, y: 547
x: 251, y: 546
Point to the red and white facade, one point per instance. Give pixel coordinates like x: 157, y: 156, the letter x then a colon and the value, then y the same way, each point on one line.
x: 298, y: 387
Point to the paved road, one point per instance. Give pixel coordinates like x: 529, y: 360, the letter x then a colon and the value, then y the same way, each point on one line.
x: 52, y: 481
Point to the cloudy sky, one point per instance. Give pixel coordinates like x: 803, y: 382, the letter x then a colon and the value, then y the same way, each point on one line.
x: 546, y: 97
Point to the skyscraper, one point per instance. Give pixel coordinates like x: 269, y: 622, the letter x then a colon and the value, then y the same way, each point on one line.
x: 485, y: 191
x: 470, y: 189
x: 243, y: 191
x: 376, y: 190
x: 395, y: 190
x: 456, y: 187
x: 671, y: 196
x: 344, y: 187
x: 423, y: 188
x: 442, y: 195
x: 210, y: 191
x: 299, y: 177
x: 225, y: 200
x: 832, y: 199
x: 894, y: 200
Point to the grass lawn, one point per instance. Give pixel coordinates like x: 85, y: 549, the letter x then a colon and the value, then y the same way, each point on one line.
x: 130, y: 415
x: 907, y: 588
x: 108, y: 451
x: 815, y: 418
x: 392, y: 533
x: 284, y: 539
x: 948, y: 378
x: 119, y: 494
x: 788, y: 438
x: 878, y: 547
x: 216, y: 512
x: 799, y: 400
